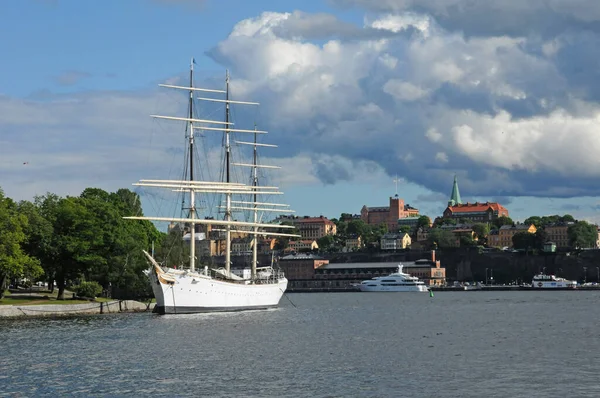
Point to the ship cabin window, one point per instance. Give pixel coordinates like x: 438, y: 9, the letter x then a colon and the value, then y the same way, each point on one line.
x: 388, y: 280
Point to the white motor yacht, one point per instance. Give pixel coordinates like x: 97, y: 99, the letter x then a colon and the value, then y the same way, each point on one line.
x: 396, y: 282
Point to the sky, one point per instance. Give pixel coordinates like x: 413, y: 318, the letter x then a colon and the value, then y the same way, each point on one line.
x: 356, y: 93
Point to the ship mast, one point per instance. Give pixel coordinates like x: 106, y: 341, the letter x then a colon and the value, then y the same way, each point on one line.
x: 255, y: 201
x: 191, y: 155
x: 227, y: 180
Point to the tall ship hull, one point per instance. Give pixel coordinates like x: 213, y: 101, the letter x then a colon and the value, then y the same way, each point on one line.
x: 195, y: 293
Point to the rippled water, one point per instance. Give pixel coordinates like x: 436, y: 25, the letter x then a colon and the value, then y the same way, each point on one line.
x: 457, y: 344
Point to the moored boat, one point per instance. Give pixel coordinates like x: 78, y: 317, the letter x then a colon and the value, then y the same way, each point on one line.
x: 188, y: 290
x: 396, y: 282
x: 543, y: 281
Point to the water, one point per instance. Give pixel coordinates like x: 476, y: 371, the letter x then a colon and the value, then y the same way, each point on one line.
x: 456, y: 344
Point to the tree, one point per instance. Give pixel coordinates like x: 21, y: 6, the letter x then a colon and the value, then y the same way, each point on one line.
x: 423, y: 222
x: 404, y: 229
x: 523, y: 240
x: 541, y: 236
x: 325, y: 242
x: 567, y: 218
x: 582, y: 235
x: 503, y: 220
x: 481, y: 230
x: 14, y: 262
x: 535, y: 220
x: 442, y: 238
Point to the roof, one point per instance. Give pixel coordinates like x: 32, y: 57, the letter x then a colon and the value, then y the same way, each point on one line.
x: 301, y: 256
x: 455, y: 195
x: 476, y: 207
x: 393, y: 265
x: 310, y: 220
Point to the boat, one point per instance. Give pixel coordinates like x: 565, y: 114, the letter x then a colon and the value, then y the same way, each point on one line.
x: 544, y: 281
x: 197, y: 289
x: 396, y: 282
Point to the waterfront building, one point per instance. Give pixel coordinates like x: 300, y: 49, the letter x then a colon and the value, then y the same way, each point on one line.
x: 388, y: 215
x: 429, y: 271
x: 301, y: 265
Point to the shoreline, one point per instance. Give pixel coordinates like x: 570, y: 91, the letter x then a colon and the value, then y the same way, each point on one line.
x: 59, y: 310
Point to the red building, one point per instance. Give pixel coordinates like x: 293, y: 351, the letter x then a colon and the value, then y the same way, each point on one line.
x: 388, y: 215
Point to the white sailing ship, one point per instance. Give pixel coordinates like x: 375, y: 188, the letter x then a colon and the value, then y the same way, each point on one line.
x: 190, y: 290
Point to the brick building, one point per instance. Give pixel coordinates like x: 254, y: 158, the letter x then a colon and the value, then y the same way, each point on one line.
x: 477, y: 212
x: 312, y: 227
x: 388, y: 215
x: 301, y: 266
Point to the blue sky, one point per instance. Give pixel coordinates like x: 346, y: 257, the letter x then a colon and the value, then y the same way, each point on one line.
x: 353, y: 91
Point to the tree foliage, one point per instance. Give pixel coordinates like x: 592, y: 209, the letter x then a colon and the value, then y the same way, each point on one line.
x: 14, y: 261
x: 582, y: 235
x: 503, y: 220
x: 441, y: 238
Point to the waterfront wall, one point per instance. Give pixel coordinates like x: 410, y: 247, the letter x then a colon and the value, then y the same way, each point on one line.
x: 469, y: 264
x: 16, y: 311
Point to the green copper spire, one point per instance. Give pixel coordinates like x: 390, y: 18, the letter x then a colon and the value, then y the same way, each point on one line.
x: 455, y: 196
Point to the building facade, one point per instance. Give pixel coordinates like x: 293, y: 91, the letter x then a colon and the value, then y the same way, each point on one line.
x: 301, y: 266
x: 388, y: 215
x: 395, y: 241
x: 503, y: 236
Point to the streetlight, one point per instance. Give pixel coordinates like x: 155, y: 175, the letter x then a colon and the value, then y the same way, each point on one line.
x: 486, y: 278
x: 584, y: 275
x: 597, y: 274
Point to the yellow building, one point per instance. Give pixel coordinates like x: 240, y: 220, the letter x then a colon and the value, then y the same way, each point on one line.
x: 353, y: 243
x: 393, y: 241
x: 302, y: 245
x: 503, y: 236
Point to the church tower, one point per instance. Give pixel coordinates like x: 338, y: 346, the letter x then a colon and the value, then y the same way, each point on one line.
x: 455, y: 196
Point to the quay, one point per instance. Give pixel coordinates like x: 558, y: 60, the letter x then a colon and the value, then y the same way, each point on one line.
x: 57, y: 310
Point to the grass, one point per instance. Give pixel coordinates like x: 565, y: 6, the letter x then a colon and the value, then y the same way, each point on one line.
x: 44, y: 297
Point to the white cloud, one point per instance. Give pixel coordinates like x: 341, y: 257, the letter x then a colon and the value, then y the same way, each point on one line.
x: 403, y: 91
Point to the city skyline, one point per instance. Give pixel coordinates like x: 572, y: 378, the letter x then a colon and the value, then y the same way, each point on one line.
x: 363, y: 102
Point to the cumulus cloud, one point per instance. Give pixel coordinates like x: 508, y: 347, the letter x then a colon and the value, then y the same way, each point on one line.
x: 495, y: 17
x: 505, y: 111
x: 512, y: 113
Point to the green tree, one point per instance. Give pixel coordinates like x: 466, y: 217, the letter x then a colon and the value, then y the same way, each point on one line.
x: 503, y: 220
x: 582, y: 235
x: 535, y: 220
x: 423, y: 222
x: 441, y: 238
x: 482, y: 231
x: 523, y: 240
x: 14, y: 262
x: 325, y: 242
x: 567, y: 218
x: 541, y: 236
x: 405, y: 229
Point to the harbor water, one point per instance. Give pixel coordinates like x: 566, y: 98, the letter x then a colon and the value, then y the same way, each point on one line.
x: 455, y: 344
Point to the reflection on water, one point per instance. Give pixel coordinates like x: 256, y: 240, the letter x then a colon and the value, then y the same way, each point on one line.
x: 467, y: 344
